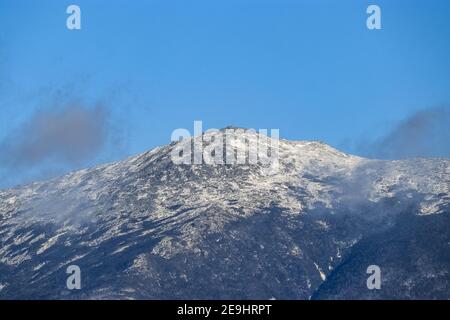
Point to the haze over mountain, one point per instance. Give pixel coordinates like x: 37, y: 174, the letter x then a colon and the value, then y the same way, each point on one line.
x: 147, y: 228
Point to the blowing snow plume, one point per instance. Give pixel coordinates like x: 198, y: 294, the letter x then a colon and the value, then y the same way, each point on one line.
x: 426, y: 133
x: 67, y: 136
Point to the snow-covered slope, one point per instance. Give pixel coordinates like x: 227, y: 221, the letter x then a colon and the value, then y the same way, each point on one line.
x: 148, y: 228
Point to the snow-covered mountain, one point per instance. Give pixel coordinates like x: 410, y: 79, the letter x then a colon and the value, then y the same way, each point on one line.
x: 147, y: 228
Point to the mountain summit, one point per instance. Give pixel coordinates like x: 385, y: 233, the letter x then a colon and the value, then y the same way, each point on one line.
x: 148, y: 228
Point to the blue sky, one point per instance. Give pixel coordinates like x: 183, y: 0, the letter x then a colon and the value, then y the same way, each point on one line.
x: 310, y: 68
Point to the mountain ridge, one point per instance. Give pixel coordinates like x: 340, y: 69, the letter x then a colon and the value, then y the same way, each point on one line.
x: 162, y: 230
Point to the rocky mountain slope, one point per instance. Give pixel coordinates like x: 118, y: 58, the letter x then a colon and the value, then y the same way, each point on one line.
x: 146, y: 228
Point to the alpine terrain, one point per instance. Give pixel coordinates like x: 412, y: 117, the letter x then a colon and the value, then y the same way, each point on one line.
x: 148, y: 228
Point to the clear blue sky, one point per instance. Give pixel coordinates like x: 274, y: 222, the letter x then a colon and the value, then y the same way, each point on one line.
x: 310, y: 68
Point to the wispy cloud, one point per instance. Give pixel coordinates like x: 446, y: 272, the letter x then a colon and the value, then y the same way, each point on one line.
x: 425, y: 133
x: 72, y: 135
x: 53, y: 140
